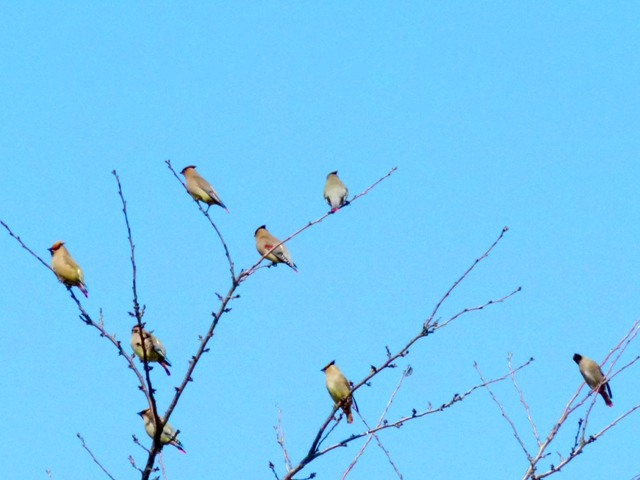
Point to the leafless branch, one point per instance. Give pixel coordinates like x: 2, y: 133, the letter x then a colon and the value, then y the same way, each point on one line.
x: 84, y: 445
x: 49, y: 474
x: 246, y: 273
x: 427, y: 328
x: 504, y: 413
x: 407, y: 371
x: 523, y: 402
x: 206, y: 214
x: 570, y: 407
x: 280, y: 440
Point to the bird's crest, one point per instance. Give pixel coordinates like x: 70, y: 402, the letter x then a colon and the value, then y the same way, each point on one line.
x: 332, y: 362
x: 56, y: 245
x: 186, y: 168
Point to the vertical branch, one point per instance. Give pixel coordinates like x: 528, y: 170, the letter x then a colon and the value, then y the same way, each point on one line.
x: 138, y: 314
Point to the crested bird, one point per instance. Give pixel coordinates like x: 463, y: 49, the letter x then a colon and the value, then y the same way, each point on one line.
x: 265, y: 242
x: 339, y: 388
x: 169, y: 434
x: 152, y: 345
x: 66, y: 268
x: 335, y: 192
x: 200, y: 189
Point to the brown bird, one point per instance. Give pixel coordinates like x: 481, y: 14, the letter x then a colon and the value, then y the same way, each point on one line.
x: 339, y: 388
x: 66, y: 268
x: 592, y: 374
x: 168, y: 435
x: 154, y: 348
x: 200, y: 189
x: 265, y: 242
x: 335, y: 192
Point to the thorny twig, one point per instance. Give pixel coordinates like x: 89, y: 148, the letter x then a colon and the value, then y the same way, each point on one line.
x: 84, y: 445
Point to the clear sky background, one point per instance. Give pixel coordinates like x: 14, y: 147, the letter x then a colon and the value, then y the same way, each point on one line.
x: 495, y: 114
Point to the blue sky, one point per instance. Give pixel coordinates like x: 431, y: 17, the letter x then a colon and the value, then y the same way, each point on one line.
x: 495, y: 114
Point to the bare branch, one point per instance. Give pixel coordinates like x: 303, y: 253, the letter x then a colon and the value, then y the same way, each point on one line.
x: 522, y: 401
x: 280, y: 440
x: 504, y: 414
x: 407, y: 371
x: 206, y: 214
x: 427, y: 329
x: 84, y: 445
x: 582, y: 441
x: 246, y: 273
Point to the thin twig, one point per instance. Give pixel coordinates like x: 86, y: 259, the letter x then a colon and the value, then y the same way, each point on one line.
x: 570, y: 407
x: 273, y: 469
x: 246, y: 273
x: 407, y: 371
x: 164, y: 474
x: 49, y: 474
x: 280, y: 440
x: 312, y: 455
x: 138, y: 313
x: 504, y: 413
x: 206, y: 214
x: 84, y: 445
x: 522, y: 401
x: 427, y: 329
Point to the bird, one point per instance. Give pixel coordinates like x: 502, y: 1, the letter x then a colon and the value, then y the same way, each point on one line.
x: 66, y: 268
x: 154, y: 348
x: 335, y: 192
x: 339, y: 388
x: 169, y: 434
x: 265, y: 242
x: 592, y: 374
x: 200, y: 189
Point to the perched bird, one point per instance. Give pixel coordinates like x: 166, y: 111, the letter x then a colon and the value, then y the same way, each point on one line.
x: 200, y: 189
x: 66, y: 268
x: 265, y: 242
x: 169, y: 434
x: 592, y: 374
x: 339, y: 388
x: 335, y: 192
x: 153, y: 346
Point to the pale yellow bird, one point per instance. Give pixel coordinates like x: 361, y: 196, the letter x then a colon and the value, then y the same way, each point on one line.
x: 168, y: 432
x: 66, y: 268
x: 154, y: 348
x: 265, y: 242
x: 592, y: 374
x: 335, y: 192
x: 200, y: 189
x: 339, y: 388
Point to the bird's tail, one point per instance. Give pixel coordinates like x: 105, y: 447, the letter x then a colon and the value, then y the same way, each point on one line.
x: 83, y: 289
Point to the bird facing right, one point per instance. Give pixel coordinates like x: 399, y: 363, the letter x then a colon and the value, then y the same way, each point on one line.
x: 592, y: 374
x: 335, y: 192
x: 339, y: 388
x: 200, y: 189
x: 66, y: 268
x: 154, y: 348
x: 265, y: 242
x: 168, y: 432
